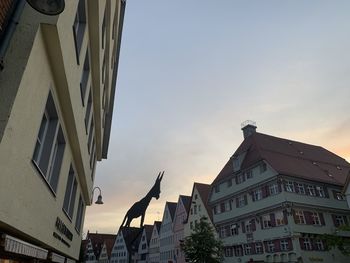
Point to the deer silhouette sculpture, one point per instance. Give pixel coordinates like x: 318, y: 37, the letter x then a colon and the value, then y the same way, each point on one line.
x: 140, y: 207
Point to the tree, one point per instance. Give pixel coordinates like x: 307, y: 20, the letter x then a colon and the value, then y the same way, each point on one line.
x: 338, y: 241
x: 202, y: 246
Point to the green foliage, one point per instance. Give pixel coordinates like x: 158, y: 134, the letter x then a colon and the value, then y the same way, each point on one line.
x: 202, y: 246
x: 337, y: 241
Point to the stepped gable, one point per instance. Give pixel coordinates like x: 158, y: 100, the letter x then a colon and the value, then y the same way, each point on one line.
x: 289, y: 157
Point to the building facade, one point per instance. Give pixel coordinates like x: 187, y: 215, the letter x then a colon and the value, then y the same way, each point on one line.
x: 166, y: 236
x: 153, y: 250
x: 181, y: 214
x: 97, y: 248
x: 275, y: 197
x: 143, y: 250
x: 57, y: 87
x: 126, y: 245
x: 198, y: 208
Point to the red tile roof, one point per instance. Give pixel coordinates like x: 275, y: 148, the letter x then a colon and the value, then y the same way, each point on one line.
x: 97, y: 241
x: 291, y: 158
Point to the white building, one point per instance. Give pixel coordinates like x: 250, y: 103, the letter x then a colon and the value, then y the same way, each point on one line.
x: 126, y: 245
x: 166, y: 237
x: 154, y: 256
x: 143, y: 251
x: 57, y: 87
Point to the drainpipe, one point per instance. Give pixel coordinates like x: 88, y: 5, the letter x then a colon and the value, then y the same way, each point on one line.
x: 11, y: 27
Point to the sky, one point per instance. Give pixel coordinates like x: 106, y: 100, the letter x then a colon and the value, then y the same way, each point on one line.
x: 190, y: 72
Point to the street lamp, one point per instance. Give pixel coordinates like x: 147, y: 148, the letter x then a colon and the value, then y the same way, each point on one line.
x: 99, y: 198
x: 47, y: 7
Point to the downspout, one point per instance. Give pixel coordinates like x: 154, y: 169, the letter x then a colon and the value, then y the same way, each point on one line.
x: 11, y: 27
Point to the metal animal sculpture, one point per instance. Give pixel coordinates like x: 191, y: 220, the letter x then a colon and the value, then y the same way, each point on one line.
x: 140, y: 207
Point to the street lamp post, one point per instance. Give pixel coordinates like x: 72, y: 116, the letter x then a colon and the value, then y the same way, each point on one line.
x: 99, y: 198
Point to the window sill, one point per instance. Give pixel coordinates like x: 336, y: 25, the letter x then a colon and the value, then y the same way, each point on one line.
x: 37, y: 168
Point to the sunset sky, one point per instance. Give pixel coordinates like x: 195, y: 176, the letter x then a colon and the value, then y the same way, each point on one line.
x: 192, y: 71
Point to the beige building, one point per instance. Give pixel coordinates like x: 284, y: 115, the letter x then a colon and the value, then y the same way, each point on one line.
x: 57, y: 87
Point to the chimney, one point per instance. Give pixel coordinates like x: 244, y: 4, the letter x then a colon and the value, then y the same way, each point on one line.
x: 248, y: 127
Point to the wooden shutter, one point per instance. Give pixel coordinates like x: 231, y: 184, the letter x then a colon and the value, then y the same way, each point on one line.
x: 243, y: 227
x: 266, y: 187
x: 335, y: 221
x: 345, y: 220
x: 245, y: 200
x: 237, y: 202
x: 321, y: 218
x: 308, y: 217
x: 277, y: 244
x: 301, y: 242
x: 222, y: 207
x: 261, y: 222
x: 290, y: 244
x: 279, y: 184
x: 326, y: 191
x: 263, y: 192
x: 272, y: 219
x: 253, y: 224
x: 285, y: 217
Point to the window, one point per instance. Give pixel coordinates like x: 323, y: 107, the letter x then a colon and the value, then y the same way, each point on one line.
x: 228, y: 252
x: 91, y: 134
x: 79, y: 27
x: 248, y: 226
x: 311, y: 190
x: 307, y: 244
x: 299, y: 217
x: 195, y: 209
x: 199, y: 208
x: 339, y: 220
x: 249, y: 174
x: 273, y: 189
x: 279, y: 217
x: 270, y: 246
x: 320, y: 191
x: 257, y: 195
x: 238, y: 251
x: 234, y: 229
x: 266, y: 221
x: 248, y: 249
x: 217, y: 188
x: 241, y: 201
x: 80, y: 212
x: 263, y: 167
x: 240, y: 178
x: 315, y: 218
x: 222, y: 232
x: 284, y: 245
x: 258, y: 248
x: 300, y: 188
x: 88, y: 111
x: 85, y: 77
x: 104, y: 29
x: 338, y: 195
x: 229, y: 183
x: 50, y: 145
x: 195, y: 197
x: 290, y: 186
x: 71, y: 190
x: 319, y: 245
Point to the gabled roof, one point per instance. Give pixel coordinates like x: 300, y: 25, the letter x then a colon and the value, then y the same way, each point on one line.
x: 97, y: 241
x: 172, y: 209
x: 291, y: 158
x: 157, y: 224
x: 131, y: 237
x: 204, y: 190
x: 148, y: 229
x: 186, y: 200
